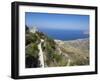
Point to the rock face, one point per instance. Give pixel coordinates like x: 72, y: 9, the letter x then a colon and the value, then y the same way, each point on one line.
x: 43, y: 51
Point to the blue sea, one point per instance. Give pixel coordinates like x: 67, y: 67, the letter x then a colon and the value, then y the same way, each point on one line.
x: 65, y: 34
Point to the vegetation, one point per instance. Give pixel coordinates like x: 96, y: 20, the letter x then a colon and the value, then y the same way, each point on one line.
x: 31, y: 49
x: 55, y: 53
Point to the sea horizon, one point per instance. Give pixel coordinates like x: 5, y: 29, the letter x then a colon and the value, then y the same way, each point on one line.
x: 61, y: 34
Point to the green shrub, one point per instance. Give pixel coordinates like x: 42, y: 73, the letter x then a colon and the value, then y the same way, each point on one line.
x: 31, y: 38
x: 32, y: 50
x: 57, y: 57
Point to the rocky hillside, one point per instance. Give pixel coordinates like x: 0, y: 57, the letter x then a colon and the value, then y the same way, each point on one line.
x: 76, y: 50
x: 43, y: 51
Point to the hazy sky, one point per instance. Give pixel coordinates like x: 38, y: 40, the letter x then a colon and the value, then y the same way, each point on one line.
x: 57, y: 21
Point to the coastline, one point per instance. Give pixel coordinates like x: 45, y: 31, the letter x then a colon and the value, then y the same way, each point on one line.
x: 57, y: 40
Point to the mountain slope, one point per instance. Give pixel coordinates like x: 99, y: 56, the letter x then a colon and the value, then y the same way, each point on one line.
x: 76, y: 50
x: 43, y: 51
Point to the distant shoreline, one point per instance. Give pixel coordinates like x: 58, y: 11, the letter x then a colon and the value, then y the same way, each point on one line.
x: 70, y: 40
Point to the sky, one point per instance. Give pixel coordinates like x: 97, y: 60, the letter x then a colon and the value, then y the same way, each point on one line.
x: 57, y: 21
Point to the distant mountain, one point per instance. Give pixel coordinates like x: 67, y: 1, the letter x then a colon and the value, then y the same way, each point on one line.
x: 43, y: 51
x: 86, y: 32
